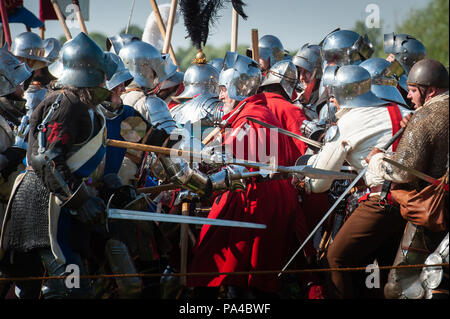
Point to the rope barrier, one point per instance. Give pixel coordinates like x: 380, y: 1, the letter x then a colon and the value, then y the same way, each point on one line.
x: 256, y: 272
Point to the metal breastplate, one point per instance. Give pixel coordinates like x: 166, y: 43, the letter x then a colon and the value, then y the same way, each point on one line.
x: 206, y: 109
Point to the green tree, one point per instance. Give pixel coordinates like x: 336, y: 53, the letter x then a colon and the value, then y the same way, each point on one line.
x: 134, y: 30
x: 430, y: 26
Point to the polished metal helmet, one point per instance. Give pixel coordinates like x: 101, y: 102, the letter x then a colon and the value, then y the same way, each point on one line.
x: 173, y: 80
x: 309, y: 58
x: 344, y: 47
x: 217, y: 63
x: 270, y: 49
x: 428, y: 72
x: 351, y: 86
x: 29, y: 45
x: 52, y: 48
x: 283, y: 73
x: 146, y: 64
x: 240, y: 75
x: 384, y: 81
x: 407, y: 49
x: 200, y: 79
x: 118, y: 41
x: 121, y: 74
x: 12, y: 72
x: 84, y: 63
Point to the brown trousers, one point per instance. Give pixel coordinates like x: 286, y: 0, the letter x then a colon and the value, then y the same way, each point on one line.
x: 371, y: 232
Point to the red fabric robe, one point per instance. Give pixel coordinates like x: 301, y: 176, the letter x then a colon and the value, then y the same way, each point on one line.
x: 291, y: 118
x: 273, y: 203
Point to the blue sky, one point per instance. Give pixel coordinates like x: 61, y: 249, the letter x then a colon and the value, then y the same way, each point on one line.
x: 294, y: 22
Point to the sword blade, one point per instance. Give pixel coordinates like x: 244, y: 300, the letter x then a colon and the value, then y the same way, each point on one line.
x: 360, y: 175
x: 288, y: 133
x: 414, y: 172
x: 169, y: 218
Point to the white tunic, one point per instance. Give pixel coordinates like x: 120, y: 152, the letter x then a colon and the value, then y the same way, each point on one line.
x: 360, y: 130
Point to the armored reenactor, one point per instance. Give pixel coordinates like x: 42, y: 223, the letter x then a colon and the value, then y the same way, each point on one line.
x: 13, y: 74
x: 272, y: 202
x: 423, y: 147
x: 364, y: 121
x: 271, y: 51
x: 51, y: 209
x: 406, y: 50
x: 278, y: 87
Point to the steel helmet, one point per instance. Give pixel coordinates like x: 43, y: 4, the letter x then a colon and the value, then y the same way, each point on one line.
x: 200, y: 79
x: 384, y: 81
x: 407, y: 49
x: 240, y: 75
x: 118, y: 41
x: 309, y: 58
x: 283, y: 73
x: 344, y: 47
x: 146, y: 64
x: 351, y: 86
x: 428, y: 72
x: 29, y: 45
x: 12, y: 72
x: 84, y: 63
x: 121, y: 74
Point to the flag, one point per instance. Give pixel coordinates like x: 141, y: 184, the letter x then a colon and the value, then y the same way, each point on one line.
x: 46, y: 11
x: 17, y: 13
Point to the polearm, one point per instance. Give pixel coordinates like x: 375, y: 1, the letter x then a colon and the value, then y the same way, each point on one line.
x: 129, y: 18
x: 360, y: 175
x: 234, y: 30
x: 76, y: 6
x: 255, y: 45
x: 61, y: 19
x: 162, y: 28
x: 6, y: 30
x: 301, y: 169
x: 170, y: 23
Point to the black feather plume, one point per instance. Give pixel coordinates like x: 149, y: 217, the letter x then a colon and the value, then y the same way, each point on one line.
x: 238, y: 6
x: 199, y: 15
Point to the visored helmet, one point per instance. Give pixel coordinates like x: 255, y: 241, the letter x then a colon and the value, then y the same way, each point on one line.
x: 12, y: 72
x: 146, y: 64
x: 407, y: 49
x: 84, y: 63
x: 29, y: 45
x: 309, y: 58
x: 345, y: 47
x: 351, y: 86
x: 121, y: 74
x: 384, y: 81
x: 240, y: 75
x: 118, y: 41
x: 200, y: 79
x: 283, y: 73
x: 428, y: 72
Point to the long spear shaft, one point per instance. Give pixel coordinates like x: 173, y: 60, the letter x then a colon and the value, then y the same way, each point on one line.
x: 61, y: 19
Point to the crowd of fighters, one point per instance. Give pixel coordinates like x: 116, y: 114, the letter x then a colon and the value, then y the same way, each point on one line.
x: 336, y: 109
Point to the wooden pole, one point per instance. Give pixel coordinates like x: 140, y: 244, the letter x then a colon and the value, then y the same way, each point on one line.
x: 42, y: 29
x: 255, y: 45
x: 184, y: 243
x: 162, y: 28
x: 61, y: 19
x: 234, y: 30
x: 76, y: 5
x: 6, y: 30
x: 170, y: 23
